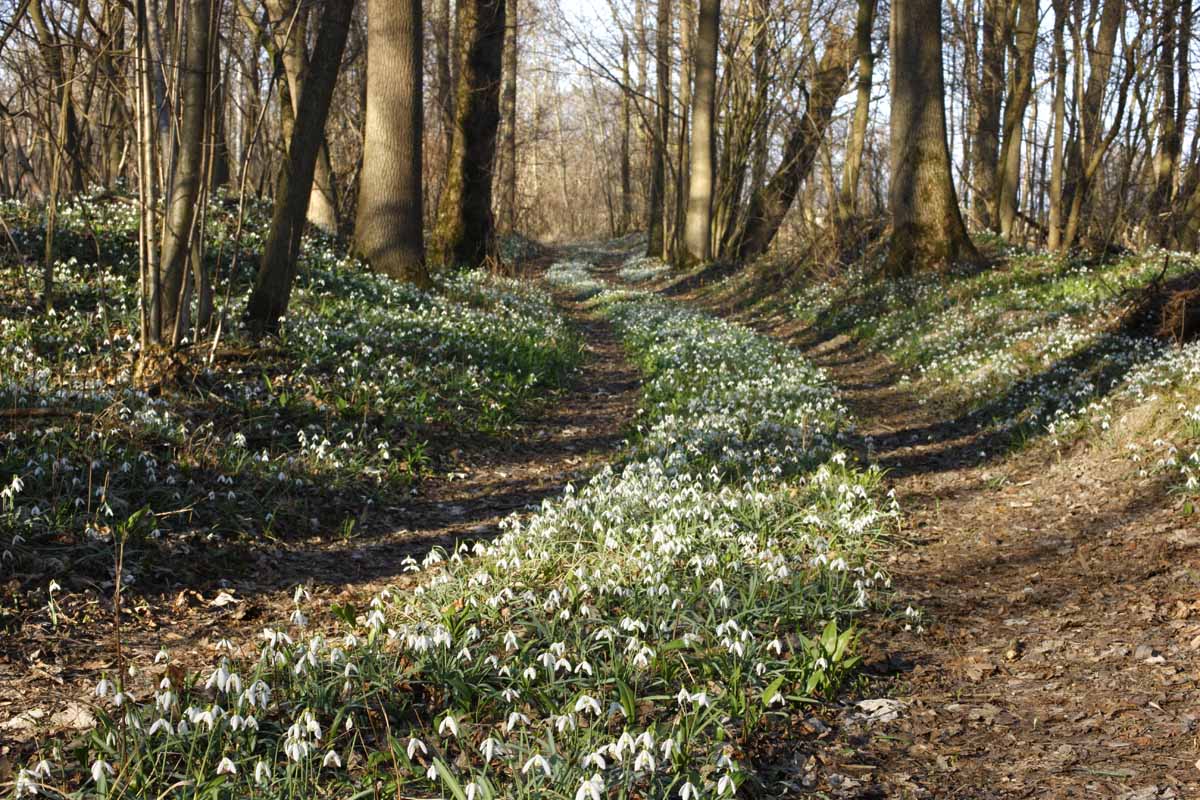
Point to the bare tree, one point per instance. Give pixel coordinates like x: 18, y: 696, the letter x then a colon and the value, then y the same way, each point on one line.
x: 389, y: 231
x: 182, y: 262
x: 277, y: 269
x: 704, y: 134
x: 656, y: 204
x: 771, y: 203
x: 927, y: 226
x: 465, y: 229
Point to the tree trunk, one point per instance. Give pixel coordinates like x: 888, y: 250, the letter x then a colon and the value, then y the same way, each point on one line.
x: 626, y: 138
x: 686, y: 61
x: 443, y: 25
x: 509, y: 202
x: 770, y: 204
x: 848, y: 194
x: 1019, y: 94
x: 465, y: 230
x: 927, y: 226
x: 277, y: 270
x: 655, y: 207
x: 1091, y: 143
x: 69, y: 143
x: 1054, y: 225
x: 291, y: 40
x: 988, y: 95
x: 704, y: 134
x: 186, y: 184
x: 220, y: 173
x: 389, y: 230
x: 1166, y: 156
x: 148, y: 181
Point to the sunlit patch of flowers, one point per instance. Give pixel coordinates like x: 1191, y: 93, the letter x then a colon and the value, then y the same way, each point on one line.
x: 276, y: 439
x: 1032, y: 344
x: 722, y: 395
x: 575, y: 279
x: 630, y: 639
x: 641, y: 269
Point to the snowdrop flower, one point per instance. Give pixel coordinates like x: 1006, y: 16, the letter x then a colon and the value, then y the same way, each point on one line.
x: 667, y: 748
x: 644, y: 760
x: 160, y: 725
x: 226, y: 767
x: 688, y: 791
x: 726, y: 786
x: 414, y: 745
x: 595, y: 760
x: 448, y: 724
x: 100, y: 768
x: 332, y: 759
x: 591, y: 789
x: 588, y: 703
x: 262, y: 773
x: 536, y: 762
x: 26, y: 786
x: 489, y: 748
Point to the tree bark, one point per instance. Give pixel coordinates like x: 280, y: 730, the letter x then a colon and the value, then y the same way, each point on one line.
x: 988, y: 96
x: 927, y: 226
x: 864, y: 24
x: 443, y: 25
x: 277, y: 270
x: 1091, y: 143
x: 626, y: 138
x: 509, y: 202
x: 1016, y: 103
x: 1054, y: 224
x: 655, y: 207
x: 704, y: 134
x: 1166, y: 156
x: 465, y: 230
x: 682, y: 156
x: 186, y: 185
x: 70, y: 141
x: 389, y: 229
x: 291, y: 41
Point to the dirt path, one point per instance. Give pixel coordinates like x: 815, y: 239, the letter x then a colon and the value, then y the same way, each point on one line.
x: 1062, y: 644
x: 1061, y: 593
x: 47, y: 670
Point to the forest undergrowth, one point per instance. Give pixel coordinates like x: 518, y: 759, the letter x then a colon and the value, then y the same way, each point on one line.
x: 644, y: 634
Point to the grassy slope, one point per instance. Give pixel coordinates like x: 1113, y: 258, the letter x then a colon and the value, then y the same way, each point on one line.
x: 346, y: 410
x: 1033, y: 346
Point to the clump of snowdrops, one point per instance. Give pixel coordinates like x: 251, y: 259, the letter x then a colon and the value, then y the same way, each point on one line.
x: 630, y: 639
x: 642, y: 269
x: 282, y: 438
x: 1032, y: 346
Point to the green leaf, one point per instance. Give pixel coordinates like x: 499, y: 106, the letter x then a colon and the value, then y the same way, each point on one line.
x: 449, y: 779
x: 829, y: 637
x: 772, y: 689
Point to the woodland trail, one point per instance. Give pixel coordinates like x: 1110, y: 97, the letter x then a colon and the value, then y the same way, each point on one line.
x: 44, y: 671
x: 1061, y: 655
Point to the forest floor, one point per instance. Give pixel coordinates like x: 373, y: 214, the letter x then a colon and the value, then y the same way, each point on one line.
x: 1060, y: 655
x: 1061, y: 650
x: 46, y: 671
